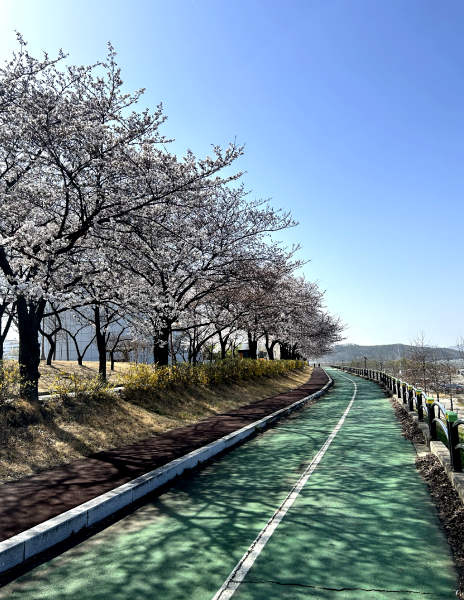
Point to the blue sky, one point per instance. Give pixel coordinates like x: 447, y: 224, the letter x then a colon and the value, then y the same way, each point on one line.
x: 352, y: 116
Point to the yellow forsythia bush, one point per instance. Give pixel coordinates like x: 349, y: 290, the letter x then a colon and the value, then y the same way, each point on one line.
x: 10, y: 379
x: 65, y: 384
x: 146, y: 377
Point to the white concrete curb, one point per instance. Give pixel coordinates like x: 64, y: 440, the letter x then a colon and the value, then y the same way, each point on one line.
x: 23, y: 546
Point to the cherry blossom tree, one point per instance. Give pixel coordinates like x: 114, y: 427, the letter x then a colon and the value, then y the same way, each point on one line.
x: 192, y: 252
x: 289, y: 314
x: 76, y: 162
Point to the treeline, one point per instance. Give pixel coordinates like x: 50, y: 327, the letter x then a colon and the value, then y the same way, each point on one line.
x: 101, y: 225
x: 423, y: 365
x: 381, y: 352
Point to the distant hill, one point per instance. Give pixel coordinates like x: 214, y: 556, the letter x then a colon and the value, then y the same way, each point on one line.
x: 348, y: 352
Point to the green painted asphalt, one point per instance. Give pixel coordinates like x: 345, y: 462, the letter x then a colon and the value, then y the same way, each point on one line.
x: 364, y: 523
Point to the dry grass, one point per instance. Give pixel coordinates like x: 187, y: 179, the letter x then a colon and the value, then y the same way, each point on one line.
x: 88, y: 369
x: 44, y: 435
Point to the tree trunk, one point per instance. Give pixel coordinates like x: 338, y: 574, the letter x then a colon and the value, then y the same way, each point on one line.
x: 101, y: 344
x: 284, y: 352
x: 270, y: 348
x: 252, y: 346
x: 112, y: 359
x: 223, y: 343
x: 29, y: 317
x: 4, y: 333
x: 80, y: 356
x: 161, y: 352
x: 51, y: 351
x: 6, y: 327
x: 2, y: 372
x: 51, y: 339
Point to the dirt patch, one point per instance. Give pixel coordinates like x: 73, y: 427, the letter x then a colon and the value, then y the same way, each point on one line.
x: 36, y: 437
x: 410, y: 429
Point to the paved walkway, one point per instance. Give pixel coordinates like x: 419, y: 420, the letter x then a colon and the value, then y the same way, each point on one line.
x: 363, y: 526
x: 35, y: 499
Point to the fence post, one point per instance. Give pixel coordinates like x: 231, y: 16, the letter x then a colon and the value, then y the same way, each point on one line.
x: 404, y: 392
x: 453, y: 433
x: 432, y: 425
x: 411, y: 398
x: 420, y: 408
x: 400, y: 384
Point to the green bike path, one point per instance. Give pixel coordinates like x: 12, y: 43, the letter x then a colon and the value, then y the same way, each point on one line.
x: 363, y: 526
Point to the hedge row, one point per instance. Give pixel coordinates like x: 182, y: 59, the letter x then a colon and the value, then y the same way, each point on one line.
x: 143, y: 376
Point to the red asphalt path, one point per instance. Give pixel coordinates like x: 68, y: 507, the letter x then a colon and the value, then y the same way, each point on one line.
x: 35, y: 499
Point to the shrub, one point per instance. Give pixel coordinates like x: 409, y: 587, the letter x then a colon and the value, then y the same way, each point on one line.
x: 10, y: 379
x: 149, y: 377
x: 65, y: 385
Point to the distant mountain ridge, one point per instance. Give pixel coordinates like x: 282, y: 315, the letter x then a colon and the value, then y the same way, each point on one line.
x: 348, y: 352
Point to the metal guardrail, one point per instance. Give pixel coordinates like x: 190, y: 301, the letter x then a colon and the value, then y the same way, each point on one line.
x: 417, y: 399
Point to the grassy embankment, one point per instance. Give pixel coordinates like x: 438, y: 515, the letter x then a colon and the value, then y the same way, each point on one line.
x: 54, y: 432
